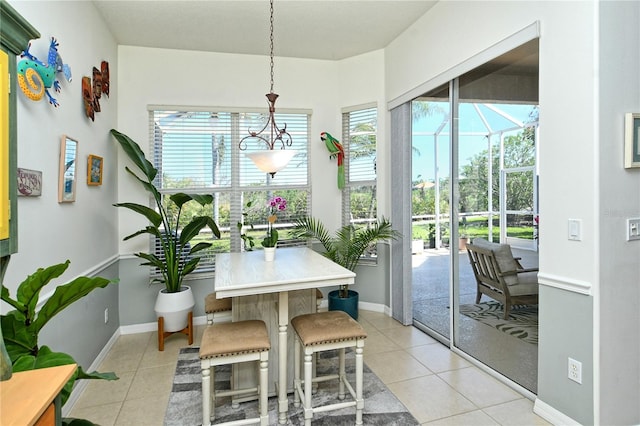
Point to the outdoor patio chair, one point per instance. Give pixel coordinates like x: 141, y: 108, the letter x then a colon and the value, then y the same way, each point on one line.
x: 501, y: 276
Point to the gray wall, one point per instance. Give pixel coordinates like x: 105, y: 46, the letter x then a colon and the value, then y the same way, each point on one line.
x: 80, y: 330
x: 565, y: 321
x: 619, y: 290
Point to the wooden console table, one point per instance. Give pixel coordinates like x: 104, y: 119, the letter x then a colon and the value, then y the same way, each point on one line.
x: 33, y: 397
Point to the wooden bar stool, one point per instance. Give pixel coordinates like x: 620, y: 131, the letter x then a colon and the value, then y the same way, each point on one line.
x: 325, y: 331
x: 231, y: 343
x: 213, y: 306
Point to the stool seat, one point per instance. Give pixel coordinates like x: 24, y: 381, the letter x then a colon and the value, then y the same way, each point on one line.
x: 214, y: 306
x: 230, y: 343
x: 324, y: 331
x: 234, y: 338
x: 327, y: 327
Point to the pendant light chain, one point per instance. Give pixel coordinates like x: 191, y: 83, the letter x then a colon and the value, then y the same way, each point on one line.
x: 271, y: 42
x: 273, y: 159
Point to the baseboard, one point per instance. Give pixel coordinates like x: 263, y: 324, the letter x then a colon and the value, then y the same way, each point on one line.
x: 552, y: 415
x: 81, y: 385
x: 374, y: 307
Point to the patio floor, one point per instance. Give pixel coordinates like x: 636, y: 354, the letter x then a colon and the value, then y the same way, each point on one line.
x: 509, y: 356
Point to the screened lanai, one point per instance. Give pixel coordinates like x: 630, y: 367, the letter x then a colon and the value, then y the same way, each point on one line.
x: 495, y: 195
x: 498, y: 198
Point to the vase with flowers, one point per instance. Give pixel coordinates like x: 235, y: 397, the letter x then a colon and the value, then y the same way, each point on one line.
x: 270, y: 241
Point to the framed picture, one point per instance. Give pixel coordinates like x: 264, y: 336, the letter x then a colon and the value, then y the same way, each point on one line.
x: 94, y: 170
x: 631, y: 140
x: 29, y: 182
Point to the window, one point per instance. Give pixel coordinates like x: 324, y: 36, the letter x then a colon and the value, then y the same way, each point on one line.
x: 359, y: 200
x: 196, y: 150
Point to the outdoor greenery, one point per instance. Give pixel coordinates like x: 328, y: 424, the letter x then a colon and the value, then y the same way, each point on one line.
x: 21, y: 327
x: 476, y: 226
x: 519, y: 150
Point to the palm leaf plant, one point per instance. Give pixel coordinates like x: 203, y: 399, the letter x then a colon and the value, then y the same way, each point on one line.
x: 21, y: 326
x: 348, y: 244
x: 176, y: 260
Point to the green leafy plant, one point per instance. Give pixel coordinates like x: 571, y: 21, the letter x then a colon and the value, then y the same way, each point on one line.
x: 21, y: 326
x: 177, y: 260
x: 348, y: 244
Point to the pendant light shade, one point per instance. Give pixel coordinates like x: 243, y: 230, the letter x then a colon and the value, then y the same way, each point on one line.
x: 271, y: 160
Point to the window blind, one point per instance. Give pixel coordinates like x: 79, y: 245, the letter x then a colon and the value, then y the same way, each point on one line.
x: 359, y: 129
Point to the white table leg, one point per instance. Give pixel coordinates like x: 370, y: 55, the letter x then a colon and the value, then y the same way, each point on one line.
x: 283, y: 321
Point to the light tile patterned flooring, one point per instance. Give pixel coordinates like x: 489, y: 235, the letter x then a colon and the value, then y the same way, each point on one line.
x: 436, y: 385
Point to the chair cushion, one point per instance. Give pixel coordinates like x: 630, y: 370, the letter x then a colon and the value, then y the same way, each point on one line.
x: 326, y: 327
x: 212, y: 305
x: 527, y: 284
x: 233, y: 338
x: 504, y: 257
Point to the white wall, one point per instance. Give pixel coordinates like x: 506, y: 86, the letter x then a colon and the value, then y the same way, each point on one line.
x: 190, y: 78
x: 575, y: 172
x: 49, y: 232
x: 171, y: 77
x: 84, y: 232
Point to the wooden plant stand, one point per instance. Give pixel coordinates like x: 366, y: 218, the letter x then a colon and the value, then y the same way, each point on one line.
x: 188, y: 330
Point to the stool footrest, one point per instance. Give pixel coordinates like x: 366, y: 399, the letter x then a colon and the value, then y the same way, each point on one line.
x: 324, y: 378
x: 336, y: 406
x: 237, y: 391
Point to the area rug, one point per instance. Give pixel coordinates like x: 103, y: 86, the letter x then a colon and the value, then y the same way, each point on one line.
x: 522, y: 322
x: 381, y: 407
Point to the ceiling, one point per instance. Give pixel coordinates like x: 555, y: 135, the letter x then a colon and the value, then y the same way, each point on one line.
x: 313, y: 29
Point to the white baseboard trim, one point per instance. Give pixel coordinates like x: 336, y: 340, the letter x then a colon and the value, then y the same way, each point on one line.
x: 81, y: 385
x: 374, y: 307
x: 552, y: 415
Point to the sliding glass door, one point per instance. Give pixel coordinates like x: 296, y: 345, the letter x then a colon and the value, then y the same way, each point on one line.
x: 430, y: 231
x: 474, y: 175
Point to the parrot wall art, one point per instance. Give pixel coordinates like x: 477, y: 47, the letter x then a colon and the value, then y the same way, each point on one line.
x: 336, y: 151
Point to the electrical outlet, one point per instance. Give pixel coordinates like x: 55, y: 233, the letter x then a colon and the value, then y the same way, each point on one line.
x: 575, y: 370
x: 106, y: 315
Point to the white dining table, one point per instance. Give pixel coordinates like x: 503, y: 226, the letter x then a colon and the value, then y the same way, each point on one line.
x: 294, y: 268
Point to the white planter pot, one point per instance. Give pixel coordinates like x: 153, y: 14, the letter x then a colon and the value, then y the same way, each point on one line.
x: 269, y: 254
x: 417, y: 246
x: 174, y: 308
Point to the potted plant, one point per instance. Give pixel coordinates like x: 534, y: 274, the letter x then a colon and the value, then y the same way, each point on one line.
x: 176, y: 259
x: 432, y: 235
x: 270, y: 241
x: 345, y: 248
x: 20, y: 327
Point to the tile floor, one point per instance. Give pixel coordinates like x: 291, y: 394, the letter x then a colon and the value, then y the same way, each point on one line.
x: 436, y: 385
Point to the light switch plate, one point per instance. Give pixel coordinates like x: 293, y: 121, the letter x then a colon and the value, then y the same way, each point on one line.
x: 575, y: 230
x: 633, y: 229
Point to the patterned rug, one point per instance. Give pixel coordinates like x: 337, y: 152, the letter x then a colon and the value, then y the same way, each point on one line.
x: 522, y: 322
x: 381, y: 407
